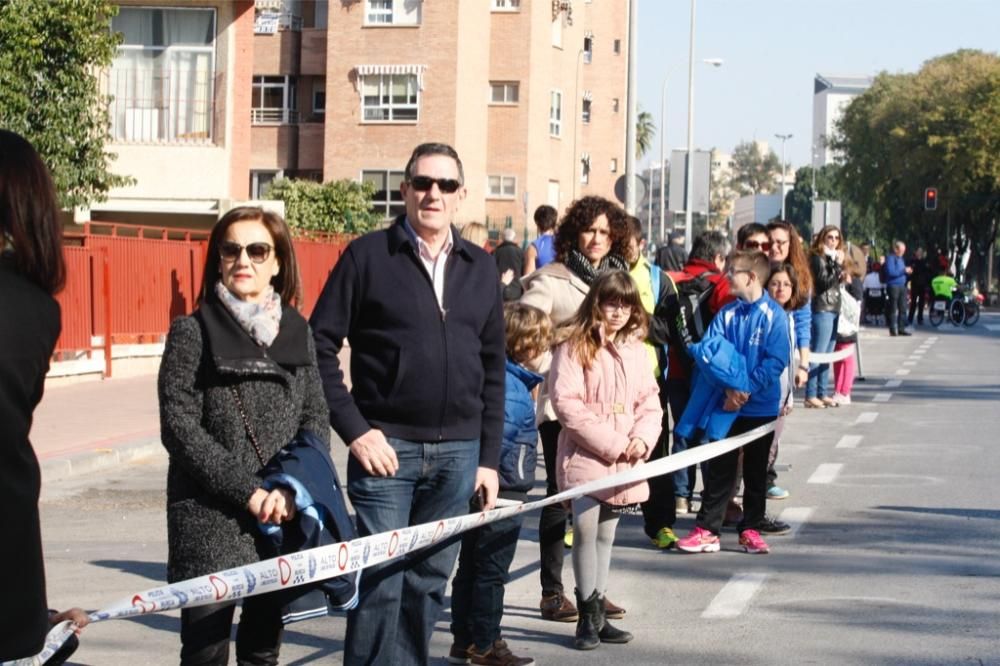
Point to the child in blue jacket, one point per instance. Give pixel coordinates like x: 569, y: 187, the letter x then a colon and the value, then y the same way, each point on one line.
x: 757, y: 328
x: 484, y: 563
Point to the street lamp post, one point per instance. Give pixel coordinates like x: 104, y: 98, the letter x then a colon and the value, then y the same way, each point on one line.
x: 783, y: 137
x: 632, y: 104
x: 689, y: 185
x: 663, y: 141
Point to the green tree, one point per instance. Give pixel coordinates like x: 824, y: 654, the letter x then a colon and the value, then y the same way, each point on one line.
x: 50, y: 53
x: 938, y: 127
x: 753, y: 171
x: 645, y: 130
x: 339, y: 206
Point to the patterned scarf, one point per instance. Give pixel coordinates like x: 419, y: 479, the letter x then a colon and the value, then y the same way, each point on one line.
x: 259, y: 320
x: 585, y: 270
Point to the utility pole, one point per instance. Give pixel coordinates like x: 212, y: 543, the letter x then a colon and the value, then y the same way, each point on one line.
x: 663, y: 143
x: 633, y: 106
x: 689, y: 185
x: 783, y: 137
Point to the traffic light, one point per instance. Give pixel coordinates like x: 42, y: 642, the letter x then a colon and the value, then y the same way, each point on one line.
x: 930, y: 198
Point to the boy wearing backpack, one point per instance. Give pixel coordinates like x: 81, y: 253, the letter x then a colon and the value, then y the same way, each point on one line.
x: 691, y: 297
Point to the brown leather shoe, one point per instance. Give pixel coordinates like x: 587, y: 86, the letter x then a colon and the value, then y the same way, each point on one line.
x: 558, y: 608
x: 612, y: 611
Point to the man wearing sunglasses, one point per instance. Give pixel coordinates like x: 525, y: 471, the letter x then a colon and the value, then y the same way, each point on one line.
x: 422, y: 311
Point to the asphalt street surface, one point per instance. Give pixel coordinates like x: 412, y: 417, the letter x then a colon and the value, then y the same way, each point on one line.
x: 893, y: 559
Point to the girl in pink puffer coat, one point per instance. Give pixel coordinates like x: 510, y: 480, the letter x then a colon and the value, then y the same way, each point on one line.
x: 606, y: 398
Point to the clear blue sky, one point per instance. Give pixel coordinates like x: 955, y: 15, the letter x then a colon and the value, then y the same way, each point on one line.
x: 774, y: 48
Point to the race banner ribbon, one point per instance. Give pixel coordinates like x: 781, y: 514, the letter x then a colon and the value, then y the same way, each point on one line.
x: 318, y: 564
x: 831, y: 357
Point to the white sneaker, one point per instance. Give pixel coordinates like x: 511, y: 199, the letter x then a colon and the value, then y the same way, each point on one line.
x: 841, y: 399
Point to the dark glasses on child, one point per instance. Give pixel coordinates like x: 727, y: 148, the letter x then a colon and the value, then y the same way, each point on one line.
x: 425, y: 183
x: 258, y: 252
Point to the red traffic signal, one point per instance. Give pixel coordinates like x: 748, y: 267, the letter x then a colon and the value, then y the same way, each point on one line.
x: 930, y: 198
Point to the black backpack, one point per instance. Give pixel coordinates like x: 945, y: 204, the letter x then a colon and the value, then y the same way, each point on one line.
x: 685, y: 309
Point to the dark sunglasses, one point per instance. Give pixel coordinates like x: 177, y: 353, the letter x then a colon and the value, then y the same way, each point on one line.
x: 258, y: 252
x: 757, y: 245
x: 425, y: 183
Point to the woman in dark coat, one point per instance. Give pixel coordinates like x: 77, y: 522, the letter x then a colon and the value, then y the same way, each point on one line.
x: 31, y: 272
x: 826, y: 266
x: 237, y: 381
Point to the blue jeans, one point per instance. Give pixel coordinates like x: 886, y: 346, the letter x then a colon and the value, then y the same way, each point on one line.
x: 483, y: 571
x: 401, y: 600
x: 823, y: 337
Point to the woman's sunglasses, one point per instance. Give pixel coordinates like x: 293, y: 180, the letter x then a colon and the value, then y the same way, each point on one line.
x: 425, y: 183
x: 258, y: 252
x: 763, y: 246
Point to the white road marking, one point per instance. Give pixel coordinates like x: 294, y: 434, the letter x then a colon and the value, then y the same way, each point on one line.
x: 920, y: 351
x: 903, y: 371
x: 882, y: 397
x: 866, y: 417
x: 796, y: 516
x: 826, y: 473
x: 733, y: 599
x: 932, y: 339
x: 992, y: 327
x: 894, y: 383
x: 909, y: 363
x: 849, y: 442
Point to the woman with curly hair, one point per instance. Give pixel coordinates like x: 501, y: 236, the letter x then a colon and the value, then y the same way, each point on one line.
x: 591, y: 240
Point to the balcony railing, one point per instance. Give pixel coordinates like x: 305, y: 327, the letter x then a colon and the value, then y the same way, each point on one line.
x: 274, y: 116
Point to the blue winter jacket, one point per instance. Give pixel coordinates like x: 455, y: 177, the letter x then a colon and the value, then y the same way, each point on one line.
x: 519, y: 449
x: 718, y: 366
x: 894, y: 271
x: 759, y: 332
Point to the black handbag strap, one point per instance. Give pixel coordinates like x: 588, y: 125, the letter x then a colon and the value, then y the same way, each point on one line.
x: 246, y: 424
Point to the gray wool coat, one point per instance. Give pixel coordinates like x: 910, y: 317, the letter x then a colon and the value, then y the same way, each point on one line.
x: 213, y: 464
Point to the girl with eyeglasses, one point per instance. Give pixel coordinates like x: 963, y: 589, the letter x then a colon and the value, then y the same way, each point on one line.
x: 608, y: 404
x: 238, y: 380
x: 826, y: 261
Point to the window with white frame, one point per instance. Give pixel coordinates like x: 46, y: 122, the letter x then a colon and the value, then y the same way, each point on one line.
x: 274, y: 100
x: 505, y: 5
x: 162, y: 80
x: 585, y: 168
x: 618, y: 47
x: 393, y: 12
x: 387, y: 200
x: 319, y: 98
x: 615, y: 104
x: 614, y: 165
x: 501, y: 187
x: 260, y: 180
x: 588, y: 48
x: 390, y: 97
x: 555, y: 113
x: 504, y: 92
x: 585, y: 115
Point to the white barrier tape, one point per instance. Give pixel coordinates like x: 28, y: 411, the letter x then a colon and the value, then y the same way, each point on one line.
x: 817, y: 358
x: 318, y: 564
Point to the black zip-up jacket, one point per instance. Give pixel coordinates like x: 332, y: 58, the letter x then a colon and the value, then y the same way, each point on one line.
x: 417, y: 373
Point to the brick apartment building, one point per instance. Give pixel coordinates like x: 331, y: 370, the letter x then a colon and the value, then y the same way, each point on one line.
x: 213, y: 99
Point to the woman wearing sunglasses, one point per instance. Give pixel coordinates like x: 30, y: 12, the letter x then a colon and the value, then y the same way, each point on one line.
x: 826, y: 267
x: 237, y: 381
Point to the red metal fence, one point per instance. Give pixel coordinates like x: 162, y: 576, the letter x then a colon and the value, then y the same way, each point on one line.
x: 141, y: 278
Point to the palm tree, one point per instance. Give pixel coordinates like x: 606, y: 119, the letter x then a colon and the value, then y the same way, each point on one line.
x: 645, y: 130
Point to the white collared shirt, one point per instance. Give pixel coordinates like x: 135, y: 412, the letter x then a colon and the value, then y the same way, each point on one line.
x: 433, y: 265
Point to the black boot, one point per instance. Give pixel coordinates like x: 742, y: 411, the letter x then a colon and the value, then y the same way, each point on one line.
x: 586, y: 624
x: 605, y: 631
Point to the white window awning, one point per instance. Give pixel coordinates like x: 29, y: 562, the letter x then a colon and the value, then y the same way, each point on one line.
x: 371, y: 70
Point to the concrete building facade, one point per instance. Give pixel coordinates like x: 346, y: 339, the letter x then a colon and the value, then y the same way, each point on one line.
x: 214, y: 99
x: 830, y: 95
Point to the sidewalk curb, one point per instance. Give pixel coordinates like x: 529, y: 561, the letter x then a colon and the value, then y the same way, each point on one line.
x: 61, y: 467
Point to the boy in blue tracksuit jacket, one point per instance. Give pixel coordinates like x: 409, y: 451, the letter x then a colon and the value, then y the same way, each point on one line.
x: 484, y: 562
x: 757, y: 328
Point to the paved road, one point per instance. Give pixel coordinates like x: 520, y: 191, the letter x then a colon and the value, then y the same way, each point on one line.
x: 894, y: 561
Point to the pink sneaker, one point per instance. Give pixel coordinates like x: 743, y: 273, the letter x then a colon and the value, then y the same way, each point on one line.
x: 699, y: 540
x: 753, y: 543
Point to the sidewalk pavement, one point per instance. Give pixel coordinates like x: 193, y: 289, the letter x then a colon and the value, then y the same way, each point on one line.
x: 95, y: 424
